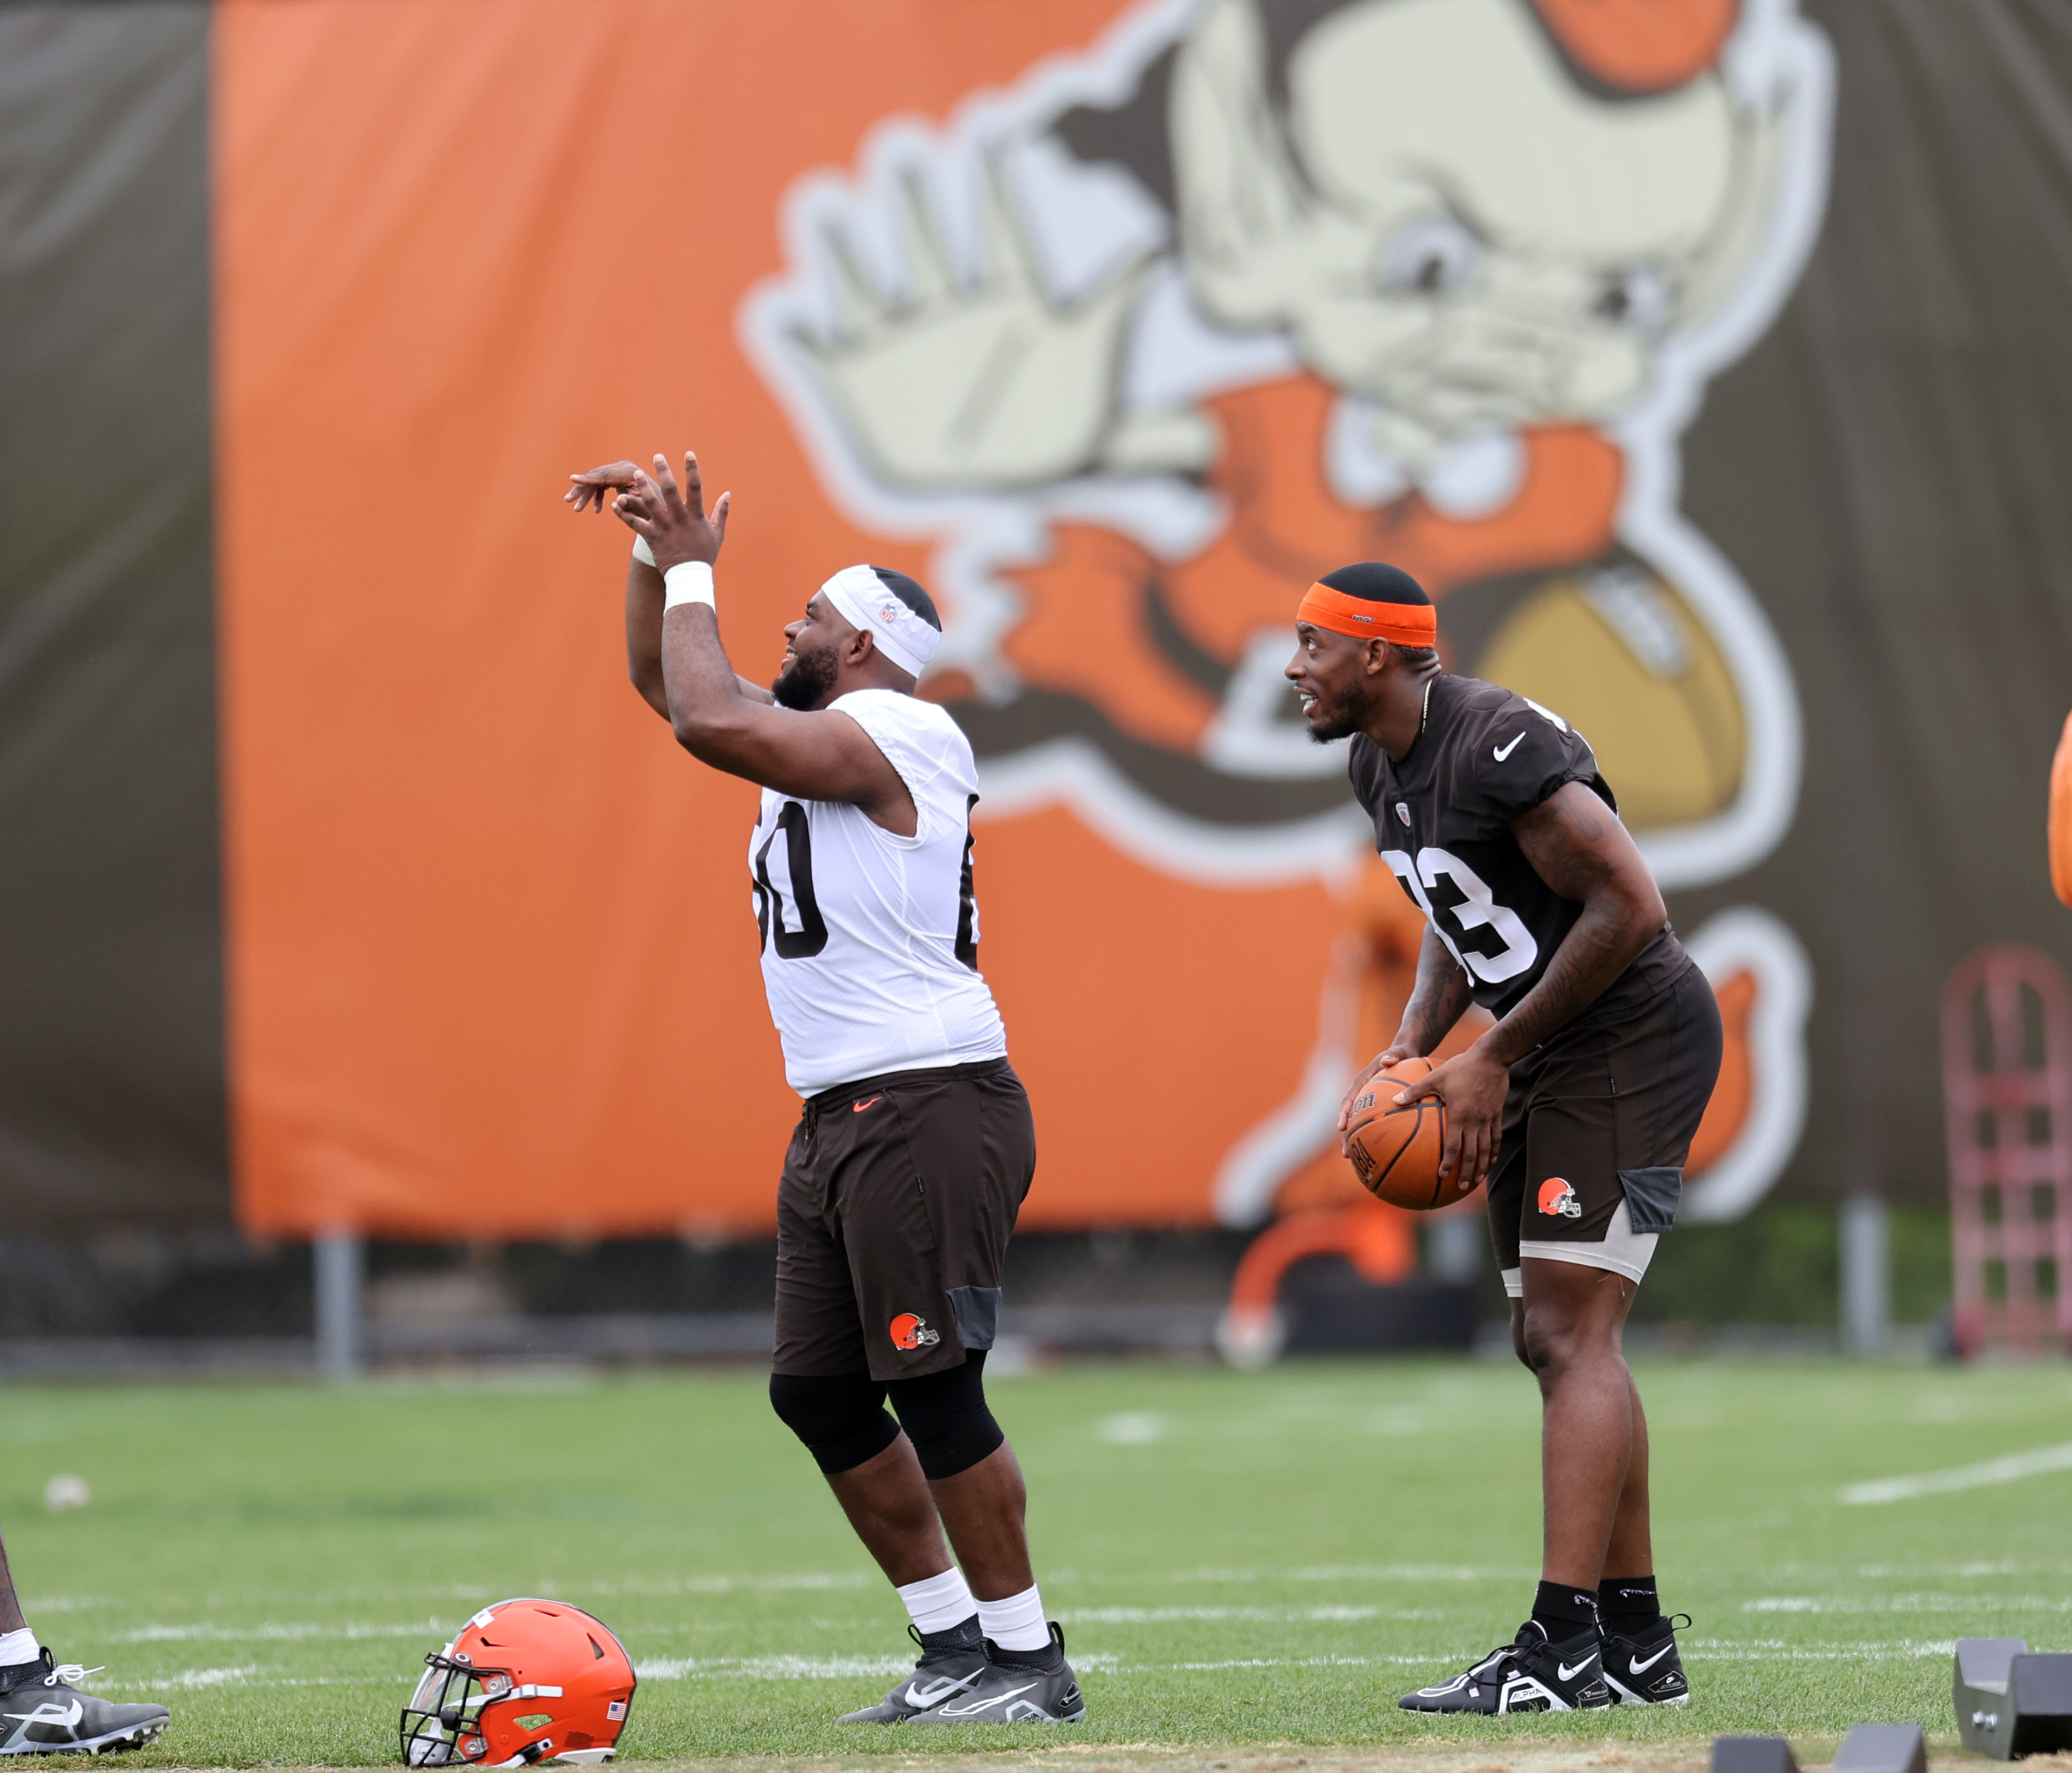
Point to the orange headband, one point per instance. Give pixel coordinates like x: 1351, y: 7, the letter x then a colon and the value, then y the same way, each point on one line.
x: 1407, y: 624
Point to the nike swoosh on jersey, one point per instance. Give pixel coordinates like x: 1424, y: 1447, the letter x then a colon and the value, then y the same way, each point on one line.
x: 1503, y: 751
x: 1568, y: 1673
x: 1640, y: 1668
x: 860, y: 1106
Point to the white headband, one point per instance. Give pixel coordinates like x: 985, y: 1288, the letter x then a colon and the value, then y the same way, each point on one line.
x: 868, y: 601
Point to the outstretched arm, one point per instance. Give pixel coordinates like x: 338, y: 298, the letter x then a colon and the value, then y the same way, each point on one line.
x: 1577, y: 846
x: 643, y: 634
x: 822, y: 755
x: 597, y: 490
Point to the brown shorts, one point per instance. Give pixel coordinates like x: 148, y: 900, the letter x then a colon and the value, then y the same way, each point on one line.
x: 898, y: 1196
x: 1600, y: 1117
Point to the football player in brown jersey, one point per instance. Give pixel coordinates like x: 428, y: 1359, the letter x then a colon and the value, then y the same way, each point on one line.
x: 1577, y: 1107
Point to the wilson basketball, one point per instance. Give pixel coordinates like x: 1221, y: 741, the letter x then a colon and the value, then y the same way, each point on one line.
x: 1395, y: 1150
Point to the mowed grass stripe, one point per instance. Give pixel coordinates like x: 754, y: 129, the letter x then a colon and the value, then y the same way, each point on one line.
x: 1291, y: 1551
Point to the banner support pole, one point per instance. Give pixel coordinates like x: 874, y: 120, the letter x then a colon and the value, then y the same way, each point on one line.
x: 1866, y: 1274
x: 340, y: 1263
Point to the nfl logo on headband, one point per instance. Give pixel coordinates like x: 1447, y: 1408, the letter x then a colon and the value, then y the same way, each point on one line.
x: 869, y: 599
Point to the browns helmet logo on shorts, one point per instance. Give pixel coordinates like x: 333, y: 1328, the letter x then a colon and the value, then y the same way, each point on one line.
x: 1558, y: 1200
x: 910, y: 1330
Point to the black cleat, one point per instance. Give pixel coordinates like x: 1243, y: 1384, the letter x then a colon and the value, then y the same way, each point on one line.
x: 41, y: 1712
x: 1528, y: 1674
x: 1013, y: 1692
x: 1646, y: 1671
x: 940, y: 1675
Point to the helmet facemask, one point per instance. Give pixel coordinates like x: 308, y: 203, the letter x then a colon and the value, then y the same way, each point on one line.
x: 442, y: 1724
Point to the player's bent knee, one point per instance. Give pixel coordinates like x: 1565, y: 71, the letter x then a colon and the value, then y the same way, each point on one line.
x: 1548, y: 1340
x: 842, y: 1419
x: 946, y: 1418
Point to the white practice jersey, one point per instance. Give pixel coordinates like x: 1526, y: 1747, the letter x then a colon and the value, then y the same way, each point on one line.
x: 869, y: 941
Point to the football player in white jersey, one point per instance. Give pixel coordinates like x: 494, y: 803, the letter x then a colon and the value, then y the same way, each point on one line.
x: 904, y: 1176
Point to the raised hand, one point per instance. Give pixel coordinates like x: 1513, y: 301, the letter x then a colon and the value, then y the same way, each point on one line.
x: 674, y: 521
x: 588, y: 491
x: 987, y: 383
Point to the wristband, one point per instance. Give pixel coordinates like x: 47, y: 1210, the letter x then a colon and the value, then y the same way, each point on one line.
x: 641, y: 551
x: 688, y: 582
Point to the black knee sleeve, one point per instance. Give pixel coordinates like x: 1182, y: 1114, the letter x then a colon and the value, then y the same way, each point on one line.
x: 842, y: 1419
x: 945, y: 1417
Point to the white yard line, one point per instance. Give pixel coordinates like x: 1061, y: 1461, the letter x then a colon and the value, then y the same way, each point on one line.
x: 192, y: 1678
x: 2006, y: 1470
x: 1908, y: 1603
x: 272, y: 1633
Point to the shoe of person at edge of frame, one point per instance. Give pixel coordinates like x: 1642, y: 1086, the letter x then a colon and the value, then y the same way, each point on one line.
x: 43, y: 1712
x: 940, y: 1675
x: 1013, y: 1692
x: 1647, y: 1670
x: 1530, y: 1673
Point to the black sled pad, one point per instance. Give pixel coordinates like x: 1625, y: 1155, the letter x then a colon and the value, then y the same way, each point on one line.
x: 2010, y: 1702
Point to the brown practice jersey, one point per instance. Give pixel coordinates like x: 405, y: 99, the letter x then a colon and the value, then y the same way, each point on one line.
x: 1442, y: 823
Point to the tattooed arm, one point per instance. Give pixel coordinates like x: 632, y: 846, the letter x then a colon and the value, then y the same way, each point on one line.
x: 1576, y: 845
x: 1438, y: 999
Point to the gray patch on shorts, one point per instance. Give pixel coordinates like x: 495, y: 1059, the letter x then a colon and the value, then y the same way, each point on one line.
x: 978, y: 1314
x: 1651, y: 1196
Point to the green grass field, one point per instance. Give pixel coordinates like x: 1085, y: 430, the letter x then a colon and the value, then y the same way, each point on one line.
x: 1238, y: 1559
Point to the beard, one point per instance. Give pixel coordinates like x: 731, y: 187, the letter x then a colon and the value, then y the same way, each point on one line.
x: 1341, y: 720
x: 803, y: 684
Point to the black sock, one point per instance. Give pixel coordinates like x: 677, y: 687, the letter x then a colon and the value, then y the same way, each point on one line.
x: 1566, y: 1612
x: 965, y: 1636
x: 1046, y: 1661
x: 1629, y: 1604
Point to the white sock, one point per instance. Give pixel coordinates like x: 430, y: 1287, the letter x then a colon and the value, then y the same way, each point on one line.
x: 18, y: 1647
x: 1017, y: 1622
x: 937, y: 1602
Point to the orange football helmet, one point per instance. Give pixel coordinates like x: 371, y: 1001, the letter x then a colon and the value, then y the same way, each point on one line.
x: 523, y: 1682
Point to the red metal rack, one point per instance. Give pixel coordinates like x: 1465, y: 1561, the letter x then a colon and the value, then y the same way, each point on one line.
x: 2007, y: 1082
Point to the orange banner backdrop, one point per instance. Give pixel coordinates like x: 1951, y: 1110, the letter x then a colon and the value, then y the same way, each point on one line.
x: 492, y: 955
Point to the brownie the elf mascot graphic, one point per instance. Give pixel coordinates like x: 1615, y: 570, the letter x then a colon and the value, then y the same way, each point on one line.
x: 1253, y: 288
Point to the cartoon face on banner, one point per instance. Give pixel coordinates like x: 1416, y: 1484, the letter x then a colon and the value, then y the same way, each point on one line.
x: 1256, y: 288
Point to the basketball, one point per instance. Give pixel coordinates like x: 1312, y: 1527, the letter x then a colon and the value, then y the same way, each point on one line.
x: 1395, y: 1150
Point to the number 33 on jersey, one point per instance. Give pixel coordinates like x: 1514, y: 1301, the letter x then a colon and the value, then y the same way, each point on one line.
x: 870, y: 940
x: 1442, y: 816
